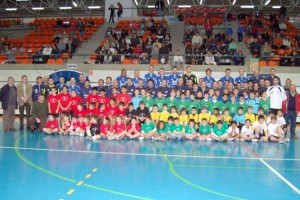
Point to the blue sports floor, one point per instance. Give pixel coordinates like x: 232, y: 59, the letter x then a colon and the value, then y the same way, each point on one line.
x: 35, y: 166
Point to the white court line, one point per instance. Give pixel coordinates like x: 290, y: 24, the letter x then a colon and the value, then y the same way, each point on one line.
x: 147, y: 154
x: 280, y: 176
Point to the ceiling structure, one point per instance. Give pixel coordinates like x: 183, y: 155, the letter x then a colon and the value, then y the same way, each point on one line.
x: 52, y: 8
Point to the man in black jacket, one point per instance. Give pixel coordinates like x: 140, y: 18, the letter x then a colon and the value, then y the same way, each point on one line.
x: 8, y: 97
x: 160, y: 7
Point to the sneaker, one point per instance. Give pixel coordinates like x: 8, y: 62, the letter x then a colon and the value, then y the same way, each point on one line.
x: 230, y: 139
x: 141, y: 138
x: 286, y: 139
x: 94, y: 137
x: 81, y: 135
x: 254, y: 140
x: 208, y: 139
x: 280, y: 141
x: 242, y: 140
x: 72, y: 134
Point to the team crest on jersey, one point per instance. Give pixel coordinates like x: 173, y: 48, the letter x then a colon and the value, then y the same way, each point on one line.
x: 53, y: 100
x: 142, y: 115
x: 94, y: 129
x: 148, y: 129
x: 52, y: 126
x: 112, y: 112
x: 94, y: 100
x: 74, y: 102
x: 64, y: 98
x: 102, y: 101
x: 123, y: 99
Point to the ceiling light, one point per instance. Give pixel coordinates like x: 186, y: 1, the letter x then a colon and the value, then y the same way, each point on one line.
x: 22, y: 0
x: 65, y: 8
x: 74, y: 4
x: 234, y: 1
x: 136, y: 3
x: 37, y: 8
x: 11, y: 9
x: 151, y: 6
x: 276, y: 7
x: 247, y: 6
x: 267, y: 2
x: 168, y: 2
x: 94, y: 7
x: 201, y: 1
x: 184, y: 6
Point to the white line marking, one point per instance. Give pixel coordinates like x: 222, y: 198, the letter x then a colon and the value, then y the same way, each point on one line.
x: 147, y: 154
x: 280, y: 176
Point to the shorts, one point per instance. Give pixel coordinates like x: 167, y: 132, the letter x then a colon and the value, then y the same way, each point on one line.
x: 224, y: 135
x: 269, y: 138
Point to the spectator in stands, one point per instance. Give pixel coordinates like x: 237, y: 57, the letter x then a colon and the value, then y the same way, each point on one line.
x: 108, y: 57
x: 286, y: 43
x: 11, y: 56
x: 239, y: 59
x: 128, y: 51
x: 112, y: 13
x: 240, y: 31
x: 167, y: 40
x: 208, y: 28
x: 178, y: 60
x: 255, y: 47
x: 8, y: 97
x: 196, y: 40
x: 266, y: 51
x: 295, y: 60
x: 233, y: 47
x: 160, y: 5
x: 120, y: 9
x: 81, y: 28
x: 55, y: 52
x: 155, y: 52
x: 164, y: 53
x: 21, y: 50
x: 116, y: 58
x: 47, y: 51
x: 229, y: 30
x: 265, y: 36
x: 209, y: 59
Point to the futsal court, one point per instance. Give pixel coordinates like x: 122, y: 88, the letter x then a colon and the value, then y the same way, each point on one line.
x: 37, y: 166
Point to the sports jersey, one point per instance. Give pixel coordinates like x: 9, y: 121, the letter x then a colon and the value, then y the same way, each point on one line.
x: 174, y: 115
x: 205, y: 103
x: 119, y: 128
x: 204, y: 130
x: 277, y: 95
x: 92, y: 112
x: 182, y: 104
x: 159, y: 79
x: 251, y: 117
x: 75, y: 101
x: 137, y: 127
x: 171, y: 102
x: 159, y: 102
x: 142, y: 113
x: 193, y: 104
x: 162, y: 131
x: 80, y: 113
x: 281, y: 121
x: 149, y: 76
x: 172, y: 80
x: 219, y: 132
x: 92, y: 99
x: 104, y: 128
x: 95, y: 129
x: 256, y: 117
x: 186, y: 77
x: 66, y: 125
x: 254, y: 103
x: 103, y: 100
x: 53, y: 103
x: 136, y: 101
x: 236, y: 131
x: 209, y: 81
x: 213, y: 105
x: 121, y: 112
x: 102, y: 113
x: 189, y: 130
x: 164, y: 115
x: 272, y: 129
x: 129, y: 113
x: 263, y: 127
x: 52, y: 124
x: 177, y: 128
x: 122, y: 80
x: 265, y: 105
x: 166, y: 91
x: 112, y: 111
x: 147, y: 128
x: 64, y: 100
x: 246, y: 130
x: 233, y: 108
x: 125, y: 98
x: 195, y: 117
x: 183, y: 119
x: 244, y: 106
x: 84, y: 125
x: 155, y: 116
x: 204, y: 116
x: 213, y: 119
x: 75, y: 125
x: 239, y: 118
x: 148, y: 102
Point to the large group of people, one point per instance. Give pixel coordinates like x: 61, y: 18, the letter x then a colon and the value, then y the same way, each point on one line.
x: 157, y: 107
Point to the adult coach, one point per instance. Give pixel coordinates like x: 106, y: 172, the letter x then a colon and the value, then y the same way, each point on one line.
x: 291, y: 108
x: 24, y: 90
x: 8, y: 97
x: 39, y: 114
x: 277, y: 96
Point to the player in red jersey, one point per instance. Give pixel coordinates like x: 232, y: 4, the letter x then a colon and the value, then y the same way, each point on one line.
x: 133, y: 129
x: 80, y: 111
x: 105, y: 127
x: 92, y: 110
x: 75, y: 101
x: 118, y: 130
x: 84, y: 126
x: 122, y: 109
x: 53, y: 102
x: 114, y: 93
x: 52, y: 125
x: 112, y: 110
x: 75, y: 126
x: 92, y: 98
x: 124, y: 97
x: 102, y: 111
x: 102, y: 98
x: 64, y: 100
x: 66, y: 123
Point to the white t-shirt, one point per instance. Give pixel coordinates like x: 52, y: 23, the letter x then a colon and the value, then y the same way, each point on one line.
x: 236, y: 132
x: 257, y: 125
x: 281, y: 121
x: 247, y: 131
x: 272, y: 129
x: 277, y: 95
